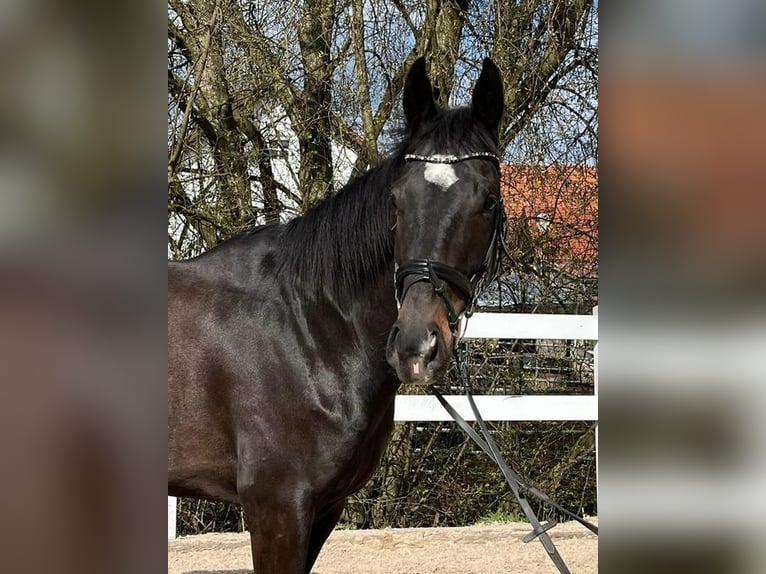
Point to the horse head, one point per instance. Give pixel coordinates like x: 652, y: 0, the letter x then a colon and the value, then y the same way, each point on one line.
x: 449, y: 217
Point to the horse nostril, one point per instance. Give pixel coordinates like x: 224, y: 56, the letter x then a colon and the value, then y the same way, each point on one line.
x: 432, y: 347
x: 392, y: 336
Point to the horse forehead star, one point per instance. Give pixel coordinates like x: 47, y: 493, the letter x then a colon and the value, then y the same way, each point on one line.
x: 441, y: 174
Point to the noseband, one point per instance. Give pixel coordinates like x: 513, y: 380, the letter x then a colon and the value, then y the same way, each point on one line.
x: 440, y: 275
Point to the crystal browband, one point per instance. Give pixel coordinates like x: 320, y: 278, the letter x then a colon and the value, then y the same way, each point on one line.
x: 449, y: 159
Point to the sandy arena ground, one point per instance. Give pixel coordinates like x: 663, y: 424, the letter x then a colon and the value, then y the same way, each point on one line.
x: 470, y: 550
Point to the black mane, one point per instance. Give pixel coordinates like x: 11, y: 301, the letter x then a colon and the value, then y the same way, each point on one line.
x: 345, y: 241
x: 452, y: 132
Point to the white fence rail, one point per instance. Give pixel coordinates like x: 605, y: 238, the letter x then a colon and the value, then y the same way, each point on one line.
x: 516, y: 407
x: 499, y: 408
x: 506, y: 407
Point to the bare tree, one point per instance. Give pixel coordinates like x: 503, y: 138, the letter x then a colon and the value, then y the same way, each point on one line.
x: 329, y: 73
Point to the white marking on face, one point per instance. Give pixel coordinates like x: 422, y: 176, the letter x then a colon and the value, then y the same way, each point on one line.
x: 415, y: 368
x: 441, y: 174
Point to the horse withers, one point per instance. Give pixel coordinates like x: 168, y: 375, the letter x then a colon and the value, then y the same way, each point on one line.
x: 287, y: 344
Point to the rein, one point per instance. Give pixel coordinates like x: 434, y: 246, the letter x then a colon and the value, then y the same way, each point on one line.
x: 520, y: 489
x: 440, y: 275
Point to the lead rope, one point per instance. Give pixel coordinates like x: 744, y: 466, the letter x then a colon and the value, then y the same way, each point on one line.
x: 519, y: 488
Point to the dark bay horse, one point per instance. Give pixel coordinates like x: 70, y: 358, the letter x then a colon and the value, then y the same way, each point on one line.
x: 287, y: 344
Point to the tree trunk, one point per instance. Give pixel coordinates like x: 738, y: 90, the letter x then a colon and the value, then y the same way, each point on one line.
x: 313, y: 125
x: 450, y: 19
x: 531, y: 47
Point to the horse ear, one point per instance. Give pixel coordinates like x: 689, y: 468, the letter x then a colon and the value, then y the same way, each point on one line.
x: 418, y: 100
x: 487, y: 102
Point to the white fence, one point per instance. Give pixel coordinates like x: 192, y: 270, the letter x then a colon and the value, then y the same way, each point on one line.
x: 504, y: 407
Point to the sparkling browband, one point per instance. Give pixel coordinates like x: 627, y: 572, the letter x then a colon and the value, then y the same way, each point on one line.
x: 438, y: 158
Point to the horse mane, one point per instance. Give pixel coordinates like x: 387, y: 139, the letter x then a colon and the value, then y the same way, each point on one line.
x: 453, y: 132
x: 346, y: 240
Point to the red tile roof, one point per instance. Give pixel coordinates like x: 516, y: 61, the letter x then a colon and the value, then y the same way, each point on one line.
x: 553, y: 215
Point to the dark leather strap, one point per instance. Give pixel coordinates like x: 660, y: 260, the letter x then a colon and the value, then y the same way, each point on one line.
x: 519, y: 488
x: 537, y: 529
x: 434, y: 272
x: 440, y: 276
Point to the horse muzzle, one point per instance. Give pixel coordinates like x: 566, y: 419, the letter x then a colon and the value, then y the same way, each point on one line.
x: 419, y: 351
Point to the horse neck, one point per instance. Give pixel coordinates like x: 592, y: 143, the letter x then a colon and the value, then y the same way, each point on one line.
x: 342, y: 248
x: 369, y: 294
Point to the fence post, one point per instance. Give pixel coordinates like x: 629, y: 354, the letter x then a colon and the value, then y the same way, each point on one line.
x: 595, y: 392
x: 172, y: 504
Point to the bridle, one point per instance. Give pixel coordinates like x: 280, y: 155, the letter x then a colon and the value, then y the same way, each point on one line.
x: 439, y: 274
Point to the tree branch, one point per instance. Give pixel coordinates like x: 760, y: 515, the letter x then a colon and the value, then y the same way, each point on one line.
x: 199, y: 67
x: 357, y: 33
